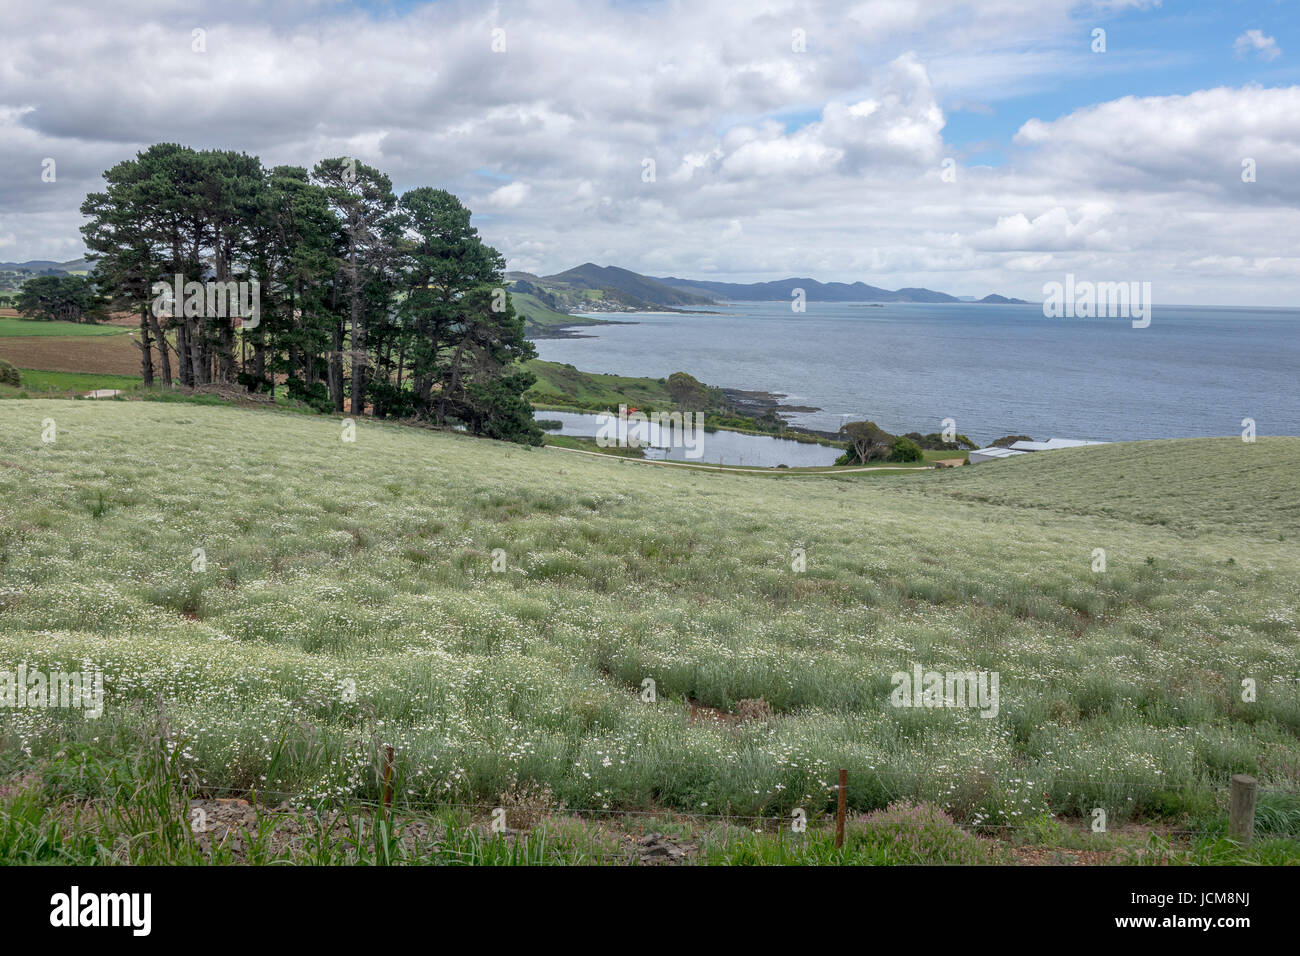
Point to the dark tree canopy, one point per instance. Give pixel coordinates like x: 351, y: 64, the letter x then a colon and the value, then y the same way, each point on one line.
x: 361, y: 300
x: 60, y: 298
x: 867, y: 441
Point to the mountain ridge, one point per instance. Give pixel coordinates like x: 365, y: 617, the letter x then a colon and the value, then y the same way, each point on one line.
x: 43, y: 265
x: 594, y: 288
x: 816, y: 291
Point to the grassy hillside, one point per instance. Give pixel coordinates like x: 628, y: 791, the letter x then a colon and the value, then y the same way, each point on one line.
x: 538, y: 314
x: 540, y: 320
x: 563, y: 385
x: 1162, y: 483
x: 332, y: 565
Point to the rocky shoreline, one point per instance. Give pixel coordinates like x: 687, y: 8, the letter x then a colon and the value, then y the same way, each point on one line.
x: 757, y: 403
x: 751, y: 403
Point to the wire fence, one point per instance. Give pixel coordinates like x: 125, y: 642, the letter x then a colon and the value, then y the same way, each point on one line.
x: 404, y: 805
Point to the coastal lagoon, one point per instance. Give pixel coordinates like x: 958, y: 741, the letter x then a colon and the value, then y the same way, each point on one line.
x: 995, y: 369
x: 718, y: 447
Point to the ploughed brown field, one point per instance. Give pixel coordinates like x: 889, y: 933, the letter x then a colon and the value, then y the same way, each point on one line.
x: 106, y: 354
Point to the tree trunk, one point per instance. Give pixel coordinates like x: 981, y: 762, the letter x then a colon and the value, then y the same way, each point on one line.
x: 146, y: 347
x: 183, y: 366
x: 358, y: 338
x: 160, y: 339
x: 450, y: 386
x: 226, y: 356
x: 259, y: 360
x: 335, y: 370
x: 198, y: 365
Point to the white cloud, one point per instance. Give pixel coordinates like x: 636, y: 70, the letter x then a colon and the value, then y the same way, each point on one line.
x: 1178, y: 144
x: 770, y: 162
x: 509, y: 196
x: 1264, y: 47
x: 1052, y: 229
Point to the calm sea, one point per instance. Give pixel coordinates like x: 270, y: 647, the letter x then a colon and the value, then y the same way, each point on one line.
x: 996, y: 370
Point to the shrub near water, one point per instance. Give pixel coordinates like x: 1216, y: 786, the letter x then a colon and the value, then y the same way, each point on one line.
x: 348, y: 600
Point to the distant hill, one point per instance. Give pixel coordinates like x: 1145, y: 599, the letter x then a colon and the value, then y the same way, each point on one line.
x: 625, y: 285
x: 593, y: 288
x: 33, y: 265
x: 47, y: 265
x: 782, y: 289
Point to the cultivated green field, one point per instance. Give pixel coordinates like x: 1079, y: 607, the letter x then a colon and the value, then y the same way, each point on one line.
x: 36, y: 381
x: 9, y: 325
x: 368, y: 566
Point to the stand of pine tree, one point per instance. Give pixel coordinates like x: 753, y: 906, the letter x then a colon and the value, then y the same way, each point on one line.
x: 367, y: 302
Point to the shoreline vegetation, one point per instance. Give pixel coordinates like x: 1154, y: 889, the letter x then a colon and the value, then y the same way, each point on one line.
x: 758, y: 412
x: 563, y: 387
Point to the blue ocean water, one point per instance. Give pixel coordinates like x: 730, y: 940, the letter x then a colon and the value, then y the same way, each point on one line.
x: 994, y: 369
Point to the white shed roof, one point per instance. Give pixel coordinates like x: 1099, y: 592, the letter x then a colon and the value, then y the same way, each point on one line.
x: 997, y: 451
x: 1052, y: 444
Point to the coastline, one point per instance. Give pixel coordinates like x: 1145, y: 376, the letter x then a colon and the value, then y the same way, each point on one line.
x: 753, y: 404
x: 911, y: 386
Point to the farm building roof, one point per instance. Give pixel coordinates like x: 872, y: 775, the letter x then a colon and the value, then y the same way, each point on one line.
x: 1052, y: 444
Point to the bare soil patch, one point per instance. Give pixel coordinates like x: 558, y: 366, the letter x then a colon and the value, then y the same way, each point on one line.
x: 102, y: 354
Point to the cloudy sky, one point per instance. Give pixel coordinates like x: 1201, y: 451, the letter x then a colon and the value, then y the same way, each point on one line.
x: 966, y: 147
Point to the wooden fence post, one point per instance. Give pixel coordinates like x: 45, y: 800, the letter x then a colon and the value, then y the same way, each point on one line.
x: 840, y: 807
x: 1241, y: 808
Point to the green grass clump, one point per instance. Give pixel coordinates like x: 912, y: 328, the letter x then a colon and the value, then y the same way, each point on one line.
x: 902, y: 834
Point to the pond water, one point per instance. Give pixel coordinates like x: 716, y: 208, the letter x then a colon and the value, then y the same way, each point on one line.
x: 714, y: 448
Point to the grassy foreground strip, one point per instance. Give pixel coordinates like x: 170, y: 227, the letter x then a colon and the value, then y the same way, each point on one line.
x: 271, y: 605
